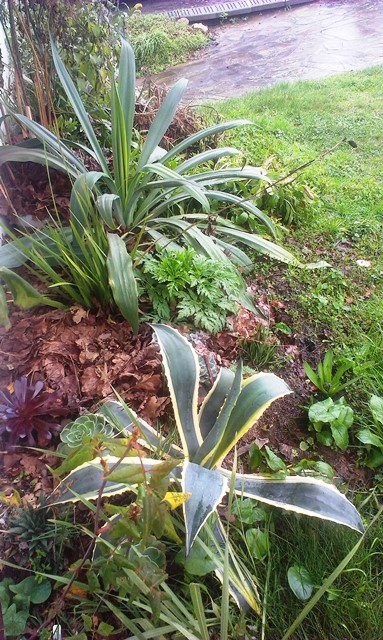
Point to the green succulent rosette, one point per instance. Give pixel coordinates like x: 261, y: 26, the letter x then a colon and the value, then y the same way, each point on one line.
x: 87, y: 426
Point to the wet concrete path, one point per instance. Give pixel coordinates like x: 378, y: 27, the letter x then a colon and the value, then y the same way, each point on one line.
x: 311, y: 41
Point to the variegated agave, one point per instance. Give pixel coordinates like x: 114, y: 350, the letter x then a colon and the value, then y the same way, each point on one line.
x: 229, y: 410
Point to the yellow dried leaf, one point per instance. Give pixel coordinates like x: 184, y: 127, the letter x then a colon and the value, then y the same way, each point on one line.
x: 176, y: 498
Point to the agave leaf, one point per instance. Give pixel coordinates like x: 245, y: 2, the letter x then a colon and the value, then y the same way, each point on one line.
x: 4, y: 316
x: 200, y: 135
x: 194, y: 237
x: 235, y: 254
x: 207, y: 489
x: 81, y: 201
x: 125, y: 422
x: 109, y: 206
x: 162, y: 122
x: 78, y: 107
x: 187, y: 185
x: 214, y: 401
x: 210, y: 444
x: 14, y: 153
x: 15, y: 253
x: 49, y: 139
x: 122, y: 280
x: 182, y: 374
x: 206, y: 156
x: 256, y: 242
x: 308, y: 496
x: 220, y: 196
x: 87, y: 480
x: 127, y: 89
x: 23, y: 293
x: 257, y: 393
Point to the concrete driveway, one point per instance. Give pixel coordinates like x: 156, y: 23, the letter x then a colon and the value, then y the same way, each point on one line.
x: 311, y: 41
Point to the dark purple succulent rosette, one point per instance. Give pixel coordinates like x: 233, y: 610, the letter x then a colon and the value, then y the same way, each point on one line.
x: 26, y: 413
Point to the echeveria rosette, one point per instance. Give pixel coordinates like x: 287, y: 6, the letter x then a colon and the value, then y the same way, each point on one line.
x: 86, y: 426
x: 27, y: 412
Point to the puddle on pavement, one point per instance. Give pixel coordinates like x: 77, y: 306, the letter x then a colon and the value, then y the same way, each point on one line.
x: 309, y: 41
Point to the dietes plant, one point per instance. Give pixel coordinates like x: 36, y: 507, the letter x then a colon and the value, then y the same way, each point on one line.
x: 207, y: 435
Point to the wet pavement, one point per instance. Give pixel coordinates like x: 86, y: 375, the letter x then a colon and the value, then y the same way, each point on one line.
x: 310, y: 41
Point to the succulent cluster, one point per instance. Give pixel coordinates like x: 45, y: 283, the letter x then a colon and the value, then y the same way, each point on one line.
x: 27, y: 412
x: 87, y: 426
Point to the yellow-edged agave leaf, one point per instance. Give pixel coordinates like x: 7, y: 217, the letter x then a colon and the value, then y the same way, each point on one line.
x: 257, y: 394
x: 176, y: 498
x: 125, y: 420
x: 205, y: 454
x: 309, y: 496
x: 207, y: 489
x: 213, y: 403
x: 182, y: 374
x: 86, y: 480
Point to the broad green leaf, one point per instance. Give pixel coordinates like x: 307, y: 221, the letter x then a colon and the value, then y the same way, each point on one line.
x: 15, y: 621
x: 198, y: 562
x: 258, y: 543
x: 4, y: 316
x: 207, y: 489
x: 257, y: 394
x: 122, y: 280
x: 309, y: 496
x: 339, y: 430
x: 182, y: 374
x: 214, y: 401
x: 300, y: 582
x: 162, y: 122
x: 129, y: 474
x: 376, y: 406
x: 23, y: 293
x: 274, y: 462
x: 366, y: 436
x: 78, y: 107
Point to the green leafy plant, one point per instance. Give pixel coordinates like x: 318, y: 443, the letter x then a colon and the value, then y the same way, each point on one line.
x: 372, y: 437
x: 331, y: 422
x: 16, y: 600
x: 183, y: 285
x: 229, y: 410
x: 328, y: 378
x: 148, y: 185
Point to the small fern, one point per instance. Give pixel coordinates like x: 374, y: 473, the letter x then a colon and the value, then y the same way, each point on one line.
x: 185, y: 286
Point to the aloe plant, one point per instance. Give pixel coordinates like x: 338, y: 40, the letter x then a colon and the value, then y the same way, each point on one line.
x: 230, y: 409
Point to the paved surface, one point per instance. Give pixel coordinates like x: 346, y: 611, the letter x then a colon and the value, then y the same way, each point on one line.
x: 311, y: 41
